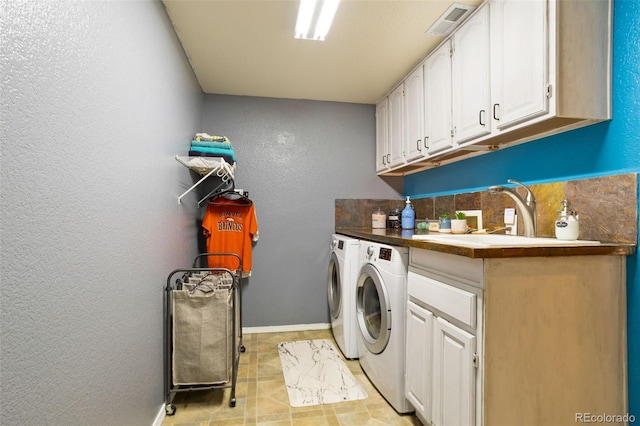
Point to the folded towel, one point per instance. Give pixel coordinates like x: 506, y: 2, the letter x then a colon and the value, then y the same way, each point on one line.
x: 210, y: 144
x: 229, y: 156
x: 212, y: 150
x: 208, y: 137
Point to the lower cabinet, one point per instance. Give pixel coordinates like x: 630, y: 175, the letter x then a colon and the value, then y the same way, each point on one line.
x: 440, y: 355
x: 521, y: 340
x: 454, y: 376
x: 418, y: 370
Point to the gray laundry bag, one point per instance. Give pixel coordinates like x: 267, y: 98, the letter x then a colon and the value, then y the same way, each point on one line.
x: 202, y: 336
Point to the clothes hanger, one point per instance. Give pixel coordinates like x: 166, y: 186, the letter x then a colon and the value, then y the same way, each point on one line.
x: 215, y: 191
x: 240, y: 198
x: 229, y: 193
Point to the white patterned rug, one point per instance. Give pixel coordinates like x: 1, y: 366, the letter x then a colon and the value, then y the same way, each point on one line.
x: 315, y: 374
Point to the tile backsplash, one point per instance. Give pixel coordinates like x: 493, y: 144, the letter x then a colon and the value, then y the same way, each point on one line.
x: 607, y: 207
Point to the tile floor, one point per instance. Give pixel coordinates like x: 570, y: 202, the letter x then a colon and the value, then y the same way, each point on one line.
x: 261, y: 395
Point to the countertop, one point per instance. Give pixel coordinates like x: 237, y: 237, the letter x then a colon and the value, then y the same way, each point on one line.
x: 403, y: 238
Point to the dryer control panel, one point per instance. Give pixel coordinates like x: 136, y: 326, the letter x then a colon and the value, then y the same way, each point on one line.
x: 385, y: 254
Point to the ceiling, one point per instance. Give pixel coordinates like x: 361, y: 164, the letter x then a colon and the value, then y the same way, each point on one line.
x: 247, y: 47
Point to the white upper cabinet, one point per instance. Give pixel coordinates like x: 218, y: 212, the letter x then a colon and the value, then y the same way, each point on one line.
x: 437, y: 99
x: 513, y: 72
x: 396, y: 126
x: 519, y: 61
x: 414, y: 146
x: 470, y: 78
x: 382, y: 136
x: 550, y: 66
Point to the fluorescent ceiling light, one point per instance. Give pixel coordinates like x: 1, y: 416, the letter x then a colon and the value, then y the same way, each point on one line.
x: 315, y: 14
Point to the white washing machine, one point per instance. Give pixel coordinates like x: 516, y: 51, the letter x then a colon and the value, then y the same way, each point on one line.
x: 341, y: 287
x: 381, y: 300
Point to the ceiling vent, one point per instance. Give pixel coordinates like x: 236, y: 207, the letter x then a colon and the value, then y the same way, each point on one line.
x: 450, y: 19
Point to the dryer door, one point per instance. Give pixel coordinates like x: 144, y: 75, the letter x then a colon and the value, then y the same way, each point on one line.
x: 373, y: 309
x: 334, y: 287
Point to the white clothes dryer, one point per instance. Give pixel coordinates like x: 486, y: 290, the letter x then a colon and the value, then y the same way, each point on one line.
x: 341, y: 288
x: 381, y: 300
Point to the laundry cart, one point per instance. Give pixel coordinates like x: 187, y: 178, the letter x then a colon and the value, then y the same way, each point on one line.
x: 202, y: 329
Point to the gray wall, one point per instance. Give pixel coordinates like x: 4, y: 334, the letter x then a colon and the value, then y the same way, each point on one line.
x: 295, y: 158
x: 97, y: 97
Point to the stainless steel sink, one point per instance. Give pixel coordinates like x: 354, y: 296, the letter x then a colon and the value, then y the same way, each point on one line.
x: 493, y: 240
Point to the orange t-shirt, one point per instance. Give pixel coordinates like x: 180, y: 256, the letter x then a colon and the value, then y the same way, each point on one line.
x: 230, y: 225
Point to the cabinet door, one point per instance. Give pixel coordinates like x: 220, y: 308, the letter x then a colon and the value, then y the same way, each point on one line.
x: 437, y: 99
x: 470, y: 78
x: 414, y: 112
x: 382, y: 136
x: 519, y: 64
x: 454, y: 375
x: 418, y: 359
x: 396, y: 126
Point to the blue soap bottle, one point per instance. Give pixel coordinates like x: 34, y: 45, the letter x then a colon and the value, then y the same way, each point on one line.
x: 408, y: 216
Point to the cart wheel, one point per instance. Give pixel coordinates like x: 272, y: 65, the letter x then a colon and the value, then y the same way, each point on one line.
x: 170, y: 409
x: 242, y: 348
x: 232, y: 403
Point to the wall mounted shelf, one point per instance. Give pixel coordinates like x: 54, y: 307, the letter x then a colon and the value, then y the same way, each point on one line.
x: 207, y: 167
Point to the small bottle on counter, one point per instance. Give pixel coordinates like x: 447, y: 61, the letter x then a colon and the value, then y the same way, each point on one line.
x: 567, y: 225
x: 408, y: 216
x: 378, y: 219
x: 394, y: 219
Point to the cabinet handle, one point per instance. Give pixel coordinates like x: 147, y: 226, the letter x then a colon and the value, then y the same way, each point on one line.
x: 384, y: 162
x: 494, y: 111
x: 426, y: 142
x: 481, y: 116
x: 418, y: 145
x: 389, y: 158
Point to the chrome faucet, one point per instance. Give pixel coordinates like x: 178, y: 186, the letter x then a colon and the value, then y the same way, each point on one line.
x: 526, y: 206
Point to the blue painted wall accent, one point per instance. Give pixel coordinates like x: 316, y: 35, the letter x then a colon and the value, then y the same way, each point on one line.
x: 603, y: 149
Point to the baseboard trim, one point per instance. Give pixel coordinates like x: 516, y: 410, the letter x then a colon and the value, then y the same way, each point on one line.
x: 285, y: 328
x: 160, y: 417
